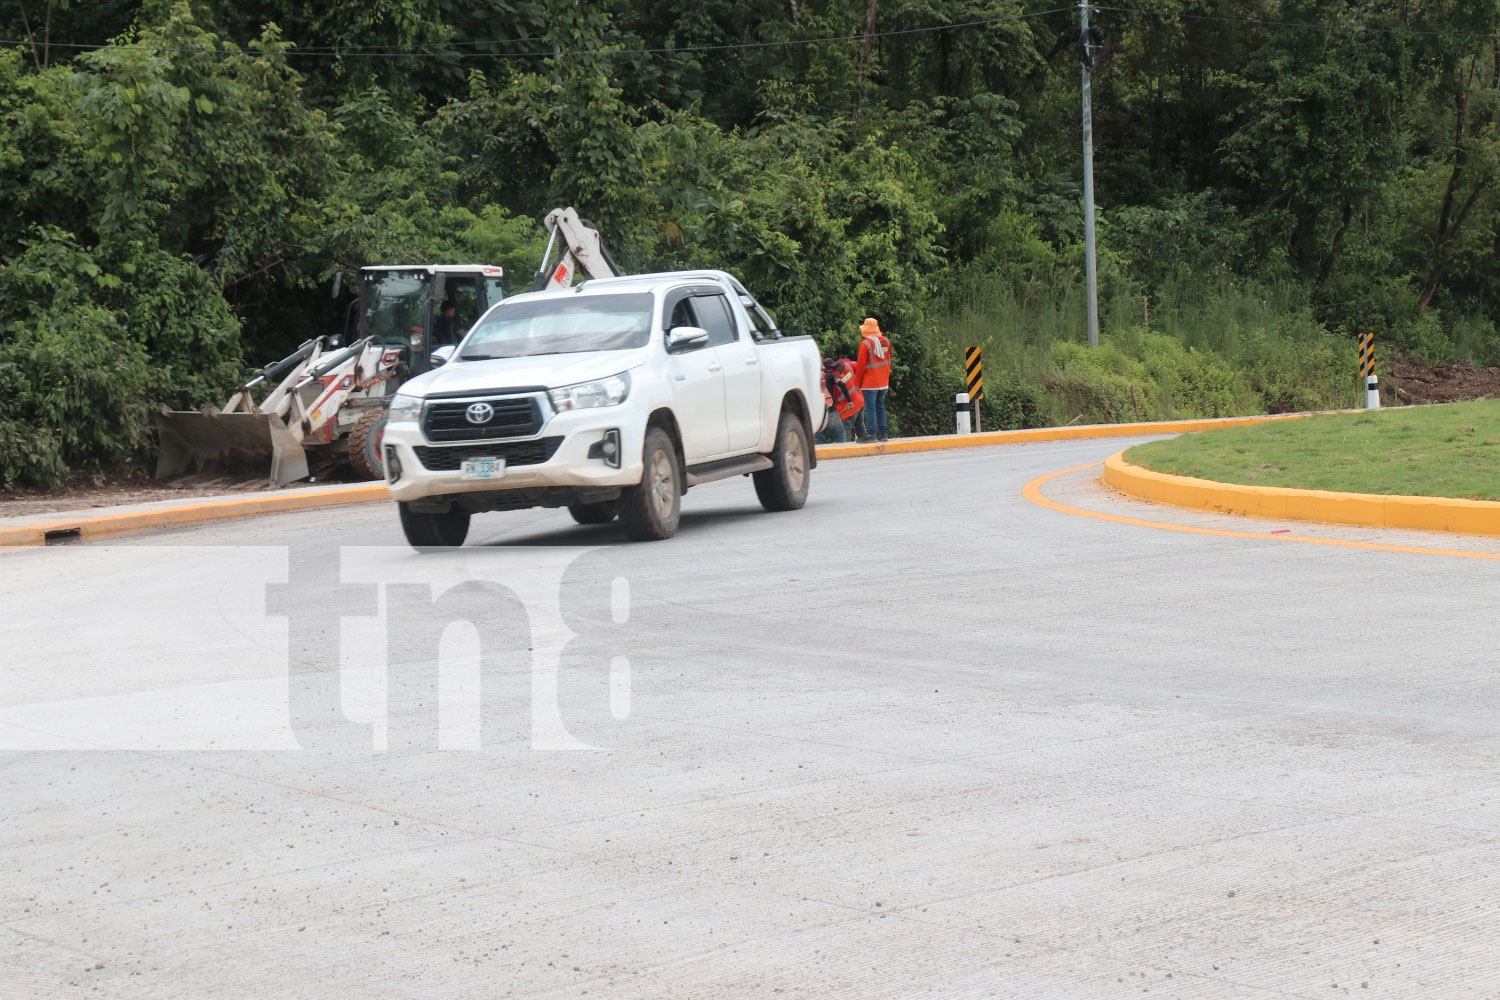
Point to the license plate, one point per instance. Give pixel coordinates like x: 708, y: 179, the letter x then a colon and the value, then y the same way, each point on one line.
x: 482, y: 468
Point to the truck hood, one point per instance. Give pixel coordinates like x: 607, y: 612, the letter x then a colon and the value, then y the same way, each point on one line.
x: 545, y: 370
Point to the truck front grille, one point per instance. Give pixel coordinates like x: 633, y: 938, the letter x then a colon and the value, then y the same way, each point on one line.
x: 514, y: 452
x: 513, y: 417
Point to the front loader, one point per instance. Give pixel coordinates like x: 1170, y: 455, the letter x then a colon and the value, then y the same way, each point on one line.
x: 328, y: 407
x: 300, y: 416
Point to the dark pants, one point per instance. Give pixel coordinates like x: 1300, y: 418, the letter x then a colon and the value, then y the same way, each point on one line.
x: 875, y: 413
x: 834, y: 431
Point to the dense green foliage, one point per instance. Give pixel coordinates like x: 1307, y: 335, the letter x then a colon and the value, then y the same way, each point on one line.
x: 186, y: 178
x: 1434, y: 451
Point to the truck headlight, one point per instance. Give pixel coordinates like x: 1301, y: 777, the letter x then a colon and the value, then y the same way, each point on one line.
x: 404, y: 410
x: 585, y: 395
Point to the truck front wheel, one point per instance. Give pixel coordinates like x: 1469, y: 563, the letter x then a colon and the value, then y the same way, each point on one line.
x: 784, y: 485
x: 651, y: 510
x: 427, y: 531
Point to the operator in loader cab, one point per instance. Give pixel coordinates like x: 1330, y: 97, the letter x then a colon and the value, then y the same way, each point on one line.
x: 445, y: 329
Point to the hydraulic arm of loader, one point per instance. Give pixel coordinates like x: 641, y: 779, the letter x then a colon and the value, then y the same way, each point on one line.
x: 579, y: 246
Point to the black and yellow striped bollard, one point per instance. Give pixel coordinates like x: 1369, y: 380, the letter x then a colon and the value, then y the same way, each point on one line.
x: 974, y: 377
x: 1367, y: 371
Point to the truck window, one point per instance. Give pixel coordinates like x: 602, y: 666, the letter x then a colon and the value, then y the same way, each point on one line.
x: 762, y: 326
x: 682, y: 315
x: 714, y: 316
x: 562, y: 324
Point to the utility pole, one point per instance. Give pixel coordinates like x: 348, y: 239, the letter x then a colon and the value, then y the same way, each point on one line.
x: 1087, y: 40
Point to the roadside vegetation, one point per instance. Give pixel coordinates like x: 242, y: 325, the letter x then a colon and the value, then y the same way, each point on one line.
x: 185, y: 180
x: 1191, y: 351
x: 1441, y: 451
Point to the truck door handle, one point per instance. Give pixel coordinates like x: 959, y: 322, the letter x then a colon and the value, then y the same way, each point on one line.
x: 715, y: 368
x: 751, y: 359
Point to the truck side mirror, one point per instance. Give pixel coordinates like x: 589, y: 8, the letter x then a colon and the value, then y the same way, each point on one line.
x: 685, y: 338
x: 442, y: 355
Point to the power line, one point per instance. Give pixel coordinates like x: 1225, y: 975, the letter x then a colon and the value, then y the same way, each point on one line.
x: 253, y: 46
x: 394, y: 50
x: 1303, y: 25
x: 367, y: 51
x: 291, y: 50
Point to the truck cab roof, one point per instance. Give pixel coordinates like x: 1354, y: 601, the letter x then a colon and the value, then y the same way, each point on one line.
x: 659, y: 281
x: 669, y: 278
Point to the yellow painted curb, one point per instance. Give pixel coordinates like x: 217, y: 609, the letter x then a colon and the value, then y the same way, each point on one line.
x: 945, y: 442
x: 1469, y: 517
x: 86, y: 526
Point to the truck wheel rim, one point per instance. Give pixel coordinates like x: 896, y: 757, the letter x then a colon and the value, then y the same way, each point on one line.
x: 796, y: 462
x: 661, y: 482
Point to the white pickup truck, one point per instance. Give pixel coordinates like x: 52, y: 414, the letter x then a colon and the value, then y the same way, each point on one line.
x: 610, y: 398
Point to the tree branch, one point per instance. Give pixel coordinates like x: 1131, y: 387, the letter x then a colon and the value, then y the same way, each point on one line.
x: 1449, y: 225
x: 864, y: 58
x: 47, y: 36
x: 31, y: 38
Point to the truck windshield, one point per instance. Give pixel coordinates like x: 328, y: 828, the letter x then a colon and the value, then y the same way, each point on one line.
x: 562, y: 324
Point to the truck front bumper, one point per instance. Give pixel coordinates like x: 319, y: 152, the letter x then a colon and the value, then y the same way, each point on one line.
x: 571, y: 451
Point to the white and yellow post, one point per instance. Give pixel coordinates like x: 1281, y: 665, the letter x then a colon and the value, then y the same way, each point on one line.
x: 1367, y: 371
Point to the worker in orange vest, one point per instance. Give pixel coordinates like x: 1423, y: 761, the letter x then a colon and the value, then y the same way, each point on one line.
x: 872, y: 373
x: 833, y: 427
x: 848, y: 400
x: 843, y: 400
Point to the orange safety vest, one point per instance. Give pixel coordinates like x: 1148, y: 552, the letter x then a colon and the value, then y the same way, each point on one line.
x: 852, y: 405
x: 873, y: 370
x: 844, y: 372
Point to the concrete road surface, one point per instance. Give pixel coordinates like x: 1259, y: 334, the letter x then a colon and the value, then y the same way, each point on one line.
x: 921, y: 738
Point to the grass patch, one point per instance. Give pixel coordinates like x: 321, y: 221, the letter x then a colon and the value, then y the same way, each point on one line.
x: 1440, y: 451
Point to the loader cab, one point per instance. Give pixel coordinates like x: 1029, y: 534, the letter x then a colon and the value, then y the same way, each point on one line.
x: 420, y: 308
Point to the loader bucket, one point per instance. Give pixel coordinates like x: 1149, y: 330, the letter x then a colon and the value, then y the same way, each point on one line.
x: 211, y: 441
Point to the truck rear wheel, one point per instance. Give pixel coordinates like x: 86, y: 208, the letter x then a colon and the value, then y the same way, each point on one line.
x: 784, y: 485
x: 595, y: 513
x: 651, y: 511
x: 426, y: 531
x: 364, y: 445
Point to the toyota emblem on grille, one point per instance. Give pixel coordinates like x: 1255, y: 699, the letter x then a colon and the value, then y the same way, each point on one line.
x: 479, y: 413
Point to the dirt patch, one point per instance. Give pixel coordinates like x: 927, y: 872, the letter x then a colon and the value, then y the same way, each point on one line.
x: 112, y: 490
x: 1450, y: 383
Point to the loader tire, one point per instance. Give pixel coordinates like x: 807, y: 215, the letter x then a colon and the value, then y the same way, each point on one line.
x: 784, y: 485
x: 651, y: 510
x: 365, y: 456
x: 431, y: 532
x: 595, y: 513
